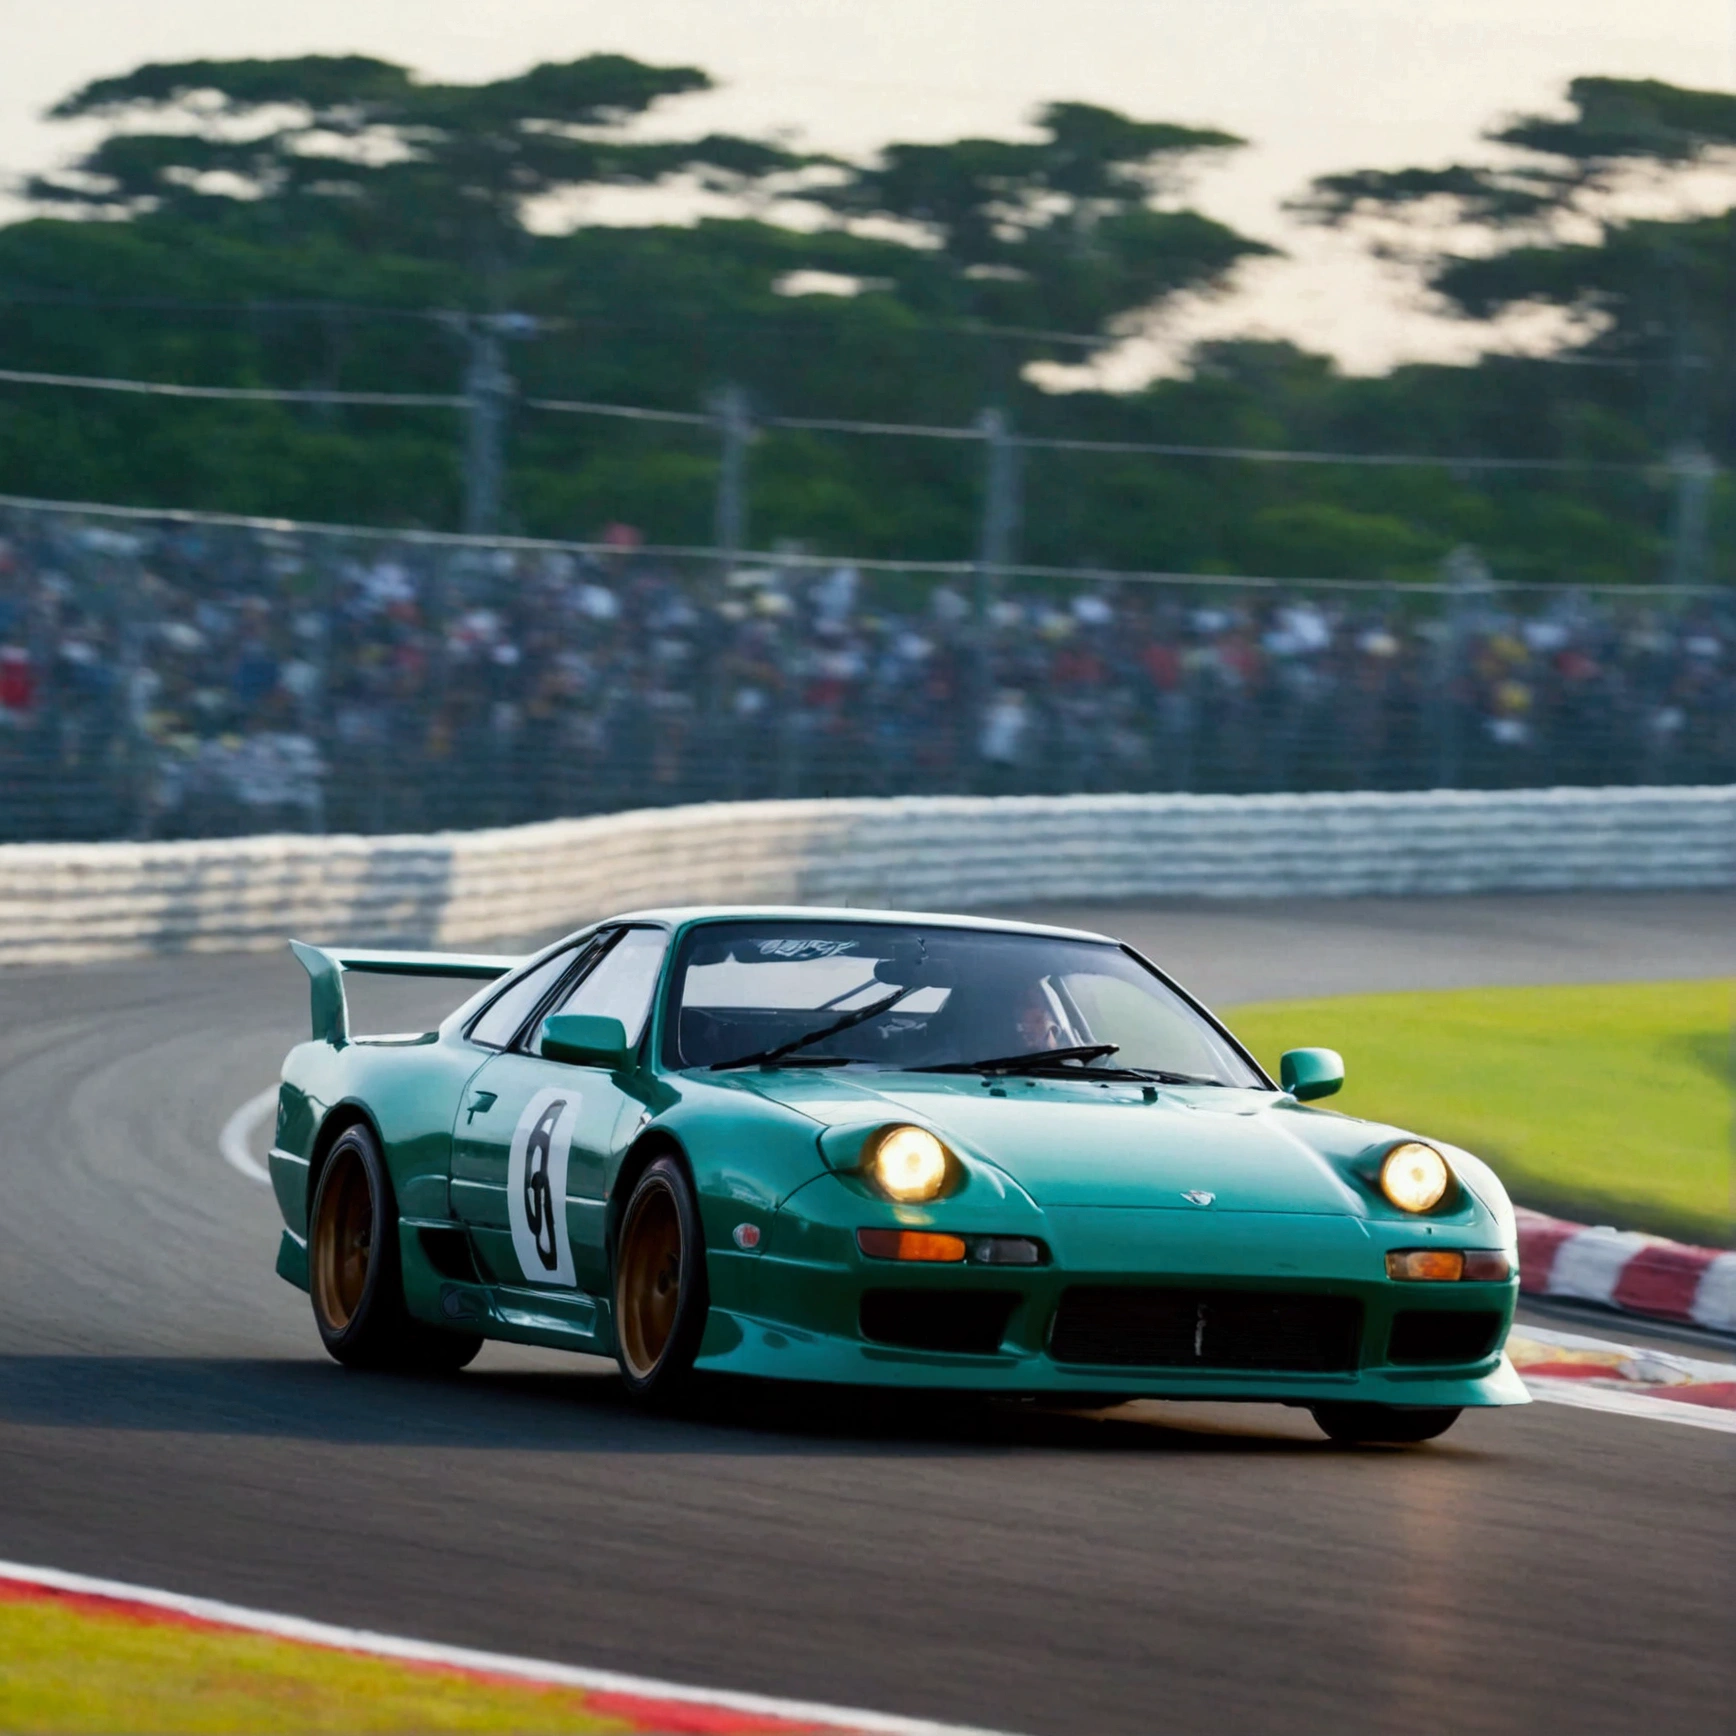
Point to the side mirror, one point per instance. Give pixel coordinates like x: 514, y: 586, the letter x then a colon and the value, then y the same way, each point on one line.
x: 1309, y: 1073
x: 584, y: 1039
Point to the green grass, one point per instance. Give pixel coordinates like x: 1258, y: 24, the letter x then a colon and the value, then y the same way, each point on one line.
x: 1610, y: 1102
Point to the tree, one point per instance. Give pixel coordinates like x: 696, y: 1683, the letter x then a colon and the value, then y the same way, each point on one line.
x: 1552, y: 225
x: 305, y: 214
x: 1061, y: 232
x: 1562, y: 170
x: 363, y: 148
x: 302, y: 223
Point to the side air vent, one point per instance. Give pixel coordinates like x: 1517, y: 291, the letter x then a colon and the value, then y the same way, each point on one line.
x: 1440, y: 1335
x: 447, y: 1249
x: 971, y: 1321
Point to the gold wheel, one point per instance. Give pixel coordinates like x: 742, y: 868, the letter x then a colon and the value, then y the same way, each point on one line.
x: 342, y: 1241
x: 648, y: 1279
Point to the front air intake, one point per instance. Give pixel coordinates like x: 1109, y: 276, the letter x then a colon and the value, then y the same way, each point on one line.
x: 1138, y: 1327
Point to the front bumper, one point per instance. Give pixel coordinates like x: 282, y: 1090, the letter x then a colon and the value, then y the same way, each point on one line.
x: 795, y: 1311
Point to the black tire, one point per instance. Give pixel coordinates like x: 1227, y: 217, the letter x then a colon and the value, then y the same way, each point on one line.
x: 437, y: 1349
x: 1356, y: 1425
x: 661, y: 1296
x: 354, y: 1279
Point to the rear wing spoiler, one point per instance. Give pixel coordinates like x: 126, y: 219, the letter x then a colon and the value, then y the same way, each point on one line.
x: 325, y: 967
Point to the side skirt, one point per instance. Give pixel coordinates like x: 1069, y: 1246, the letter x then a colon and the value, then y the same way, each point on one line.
x: 444, y: 1287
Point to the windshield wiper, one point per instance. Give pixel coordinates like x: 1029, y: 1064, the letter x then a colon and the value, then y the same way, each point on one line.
x: 809, y: 1061
x: 1158, y: 1076
x: 1058, y: 1062
x: 1040, y: 1060
x: 765, y: 1057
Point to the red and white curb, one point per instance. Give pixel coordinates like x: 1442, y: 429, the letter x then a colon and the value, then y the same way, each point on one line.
x: 1623, y: 1269
x: 1631, y: 1379
x: 669, y: 1708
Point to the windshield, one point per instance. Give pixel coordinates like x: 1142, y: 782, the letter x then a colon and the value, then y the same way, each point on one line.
x: 920, y: 999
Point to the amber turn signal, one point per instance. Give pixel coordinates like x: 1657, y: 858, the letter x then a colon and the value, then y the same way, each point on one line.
x: 1439, y: 1265
x: 909, y: 1245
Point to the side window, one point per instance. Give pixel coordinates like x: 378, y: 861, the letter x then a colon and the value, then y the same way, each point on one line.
x: 513, y: 1006
x: 621, y: 985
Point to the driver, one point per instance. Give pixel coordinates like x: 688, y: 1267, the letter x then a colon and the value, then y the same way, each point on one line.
x: 1037, y: 1024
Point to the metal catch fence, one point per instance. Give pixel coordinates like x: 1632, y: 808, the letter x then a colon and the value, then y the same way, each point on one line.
x: 185, y: 675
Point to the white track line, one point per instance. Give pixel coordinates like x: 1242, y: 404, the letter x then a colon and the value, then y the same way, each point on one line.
x: 317, y: 1633
x: 1646, y: 1361
x: 235, y: 1141
x: 1631, y: 1404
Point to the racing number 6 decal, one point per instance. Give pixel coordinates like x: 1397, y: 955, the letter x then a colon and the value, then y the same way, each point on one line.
x: 539, y: 1205
x: 536, y: 1187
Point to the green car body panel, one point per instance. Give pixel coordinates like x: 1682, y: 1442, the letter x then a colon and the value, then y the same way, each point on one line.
x: 1208, y: 1188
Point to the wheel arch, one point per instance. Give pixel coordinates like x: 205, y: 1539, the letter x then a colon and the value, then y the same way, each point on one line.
x: 654, y: 1143
x: 339, y: 1119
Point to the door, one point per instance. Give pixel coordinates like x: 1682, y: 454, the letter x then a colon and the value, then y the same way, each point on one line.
x: 477, y: 1195
x: 536, y: 1139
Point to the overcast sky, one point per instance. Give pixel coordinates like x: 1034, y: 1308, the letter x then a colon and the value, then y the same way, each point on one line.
x: 1315, y: 85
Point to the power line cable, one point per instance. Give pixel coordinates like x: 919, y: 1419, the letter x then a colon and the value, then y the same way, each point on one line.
x: 627, y: 412
x: 1148, y: 448
x: 842, y: 425
x: 183, y: 304
x: 1274, y: 455
x: 235, y: 394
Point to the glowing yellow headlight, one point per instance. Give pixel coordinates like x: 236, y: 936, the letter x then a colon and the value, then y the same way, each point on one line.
x: 908, y: 1164
x: 1414, y: 1176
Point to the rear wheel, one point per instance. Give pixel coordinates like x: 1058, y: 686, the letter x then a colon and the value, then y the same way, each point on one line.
x: 353, y: 1273
x: 660, y: 1290
x: 1384, y: 1424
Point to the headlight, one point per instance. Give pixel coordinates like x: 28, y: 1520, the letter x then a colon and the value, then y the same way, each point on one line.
x: 1414, y: 1176
x: 908, y: 1164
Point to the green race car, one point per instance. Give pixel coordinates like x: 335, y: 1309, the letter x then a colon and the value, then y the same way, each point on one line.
x: 879, y: 1149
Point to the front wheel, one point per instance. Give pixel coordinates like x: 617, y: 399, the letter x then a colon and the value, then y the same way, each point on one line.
x: 1384, y: 1424
x: 661, y: 1297
x: 354, y: 1278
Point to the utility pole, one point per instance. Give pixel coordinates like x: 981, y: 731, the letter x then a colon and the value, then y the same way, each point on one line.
x: 728, y: 536
x: 729, y: 530
x: 487, y: 389
x: 995, y: 544
x: 1469, y: 580
x: 1000, y: 526
x: 1692, y: 467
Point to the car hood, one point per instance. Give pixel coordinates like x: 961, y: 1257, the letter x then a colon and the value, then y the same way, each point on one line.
x: 1070, y: 1143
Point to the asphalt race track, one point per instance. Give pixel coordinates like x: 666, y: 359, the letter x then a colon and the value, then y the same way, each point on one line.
x: 166, y: 1418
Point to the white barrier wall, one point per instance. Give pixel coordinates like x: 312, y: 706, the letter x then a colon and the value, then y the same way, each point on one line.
x: 64, y: 903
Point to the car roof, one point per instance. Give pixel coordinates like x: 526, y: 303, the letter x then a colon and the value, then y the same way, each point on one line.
x: 685, y: 915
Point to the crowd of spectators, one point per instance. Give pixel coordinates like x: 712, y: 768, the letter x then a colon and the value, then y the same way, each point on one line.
x: 181, y: 679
